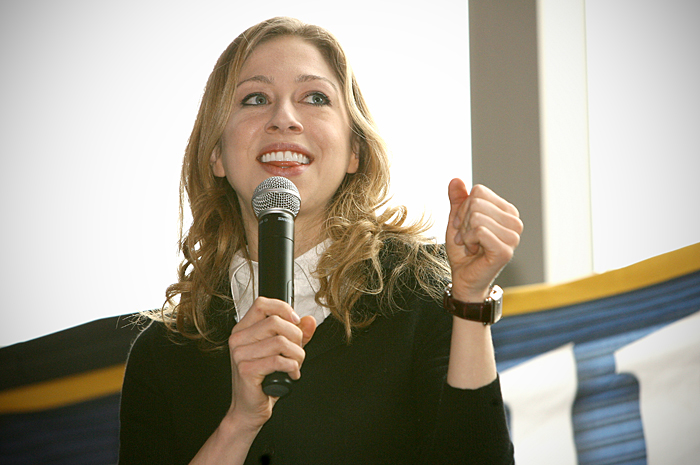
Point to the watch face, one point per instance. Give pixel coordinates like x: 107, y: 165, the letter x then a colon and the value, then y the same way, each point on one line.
x: 496, y: 297
x: 497, y: 311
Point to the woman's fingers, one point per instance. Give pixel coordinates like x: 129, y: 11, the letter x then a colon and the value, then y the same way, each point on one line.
x: 482, y: 192
x: 264, y: 307
x: 483, y: 200
x: 489, y: 238
x: 504, y: 226
x: 276, y: 353
x: 484, y: 209
x: 267, y: 339
x: 482, y: 235
x: 266, y: 328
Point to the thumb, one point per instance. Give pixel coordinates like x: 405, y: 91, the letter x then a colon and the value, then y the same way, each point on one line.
x: 457, y: 192
x: 308, y: 328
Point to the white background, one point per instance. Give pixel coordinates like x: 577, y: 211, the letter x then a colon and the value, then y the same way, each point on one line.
x: 97, y: 100
x: 644, y: 122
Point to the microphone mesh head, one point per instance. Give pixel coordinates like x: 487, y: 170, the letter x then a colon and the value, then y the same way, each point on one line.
x: 276, y: 193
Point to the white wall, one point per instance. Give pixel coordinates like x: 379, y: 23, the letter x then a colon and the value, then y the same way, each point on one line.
x: 644, y: 120
x: 565, y: 155
x: 97, y: 103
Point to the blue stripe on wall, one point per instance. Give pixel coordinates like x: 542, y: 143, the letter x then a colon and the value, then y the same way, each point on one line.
x: 607, y: 424
x: 81, y: 434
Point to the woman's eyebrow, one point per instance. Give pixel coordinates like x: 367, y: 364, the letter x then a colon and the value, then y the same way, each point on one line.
x: 300, y: 78
x: 258, y: 78
x: 313, y: 77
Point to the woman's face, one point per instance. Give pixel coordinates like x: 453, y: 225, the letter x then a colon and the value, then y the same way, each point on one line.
x: 289, y: 119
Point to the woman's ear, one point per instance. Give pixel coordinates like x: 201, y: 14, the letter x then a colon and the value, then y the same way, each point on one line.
x: 216, y: 163
x: 354, y: 164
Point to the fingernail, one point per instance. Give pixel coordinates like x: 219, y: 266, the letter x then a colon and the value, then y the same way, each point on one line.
x: 295, y: 318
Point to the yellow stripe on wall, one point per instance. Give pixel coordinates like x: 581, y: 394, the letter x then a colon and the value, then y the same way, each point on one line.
x: 536, y: 297
x: 63, y: 391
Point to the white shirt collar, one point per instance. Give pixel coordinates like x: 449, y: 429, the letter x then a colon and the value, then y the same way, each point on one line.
x: 244, y: 287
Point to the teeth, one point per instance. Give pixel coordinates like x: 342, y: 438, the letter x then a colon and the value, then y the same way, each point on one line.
x: 285, y: 156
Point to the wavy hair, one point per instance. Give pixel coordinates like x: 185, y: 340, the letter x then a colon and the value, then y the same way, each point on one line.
x: 199, y: 305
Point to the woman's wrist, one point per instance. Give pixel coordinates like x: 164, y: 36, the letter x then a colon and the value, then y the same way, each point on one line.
x: 469, y: 291
x: 229, y: 443
x: 465, y: 294
x: 472, y: 361
x: 240, y: 426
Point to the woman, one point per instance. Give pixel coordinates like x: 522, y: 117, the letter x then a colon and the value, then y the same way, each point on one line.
x: 383, y: 374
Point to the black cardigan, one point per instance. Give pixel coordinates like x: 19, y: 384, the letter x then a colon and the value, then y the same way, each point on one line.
x: 382, y: 399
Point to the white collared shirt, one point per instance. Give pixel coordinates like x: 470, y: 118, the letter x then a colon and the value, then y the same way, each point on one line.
x: 244, y: 287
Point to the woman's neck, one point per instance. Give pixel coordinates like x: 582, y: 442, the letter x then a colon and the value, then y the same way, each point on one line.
x: 307, y: 234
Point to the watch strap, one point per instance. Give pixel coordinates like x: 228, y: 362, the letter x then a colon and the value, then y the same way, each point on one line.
x: 487, y: 312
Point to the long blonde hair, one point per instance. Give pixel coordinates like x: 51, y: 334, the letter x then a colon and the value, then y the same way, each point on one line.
x: 351, y: 265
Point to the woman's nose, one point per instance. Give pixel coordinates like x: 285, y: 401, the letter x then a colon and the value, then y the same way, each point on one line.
x: 284, y: 119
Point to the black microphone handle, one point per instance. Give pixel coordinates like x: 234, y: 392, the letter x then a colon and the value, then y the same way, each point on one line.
x: 276, y: 277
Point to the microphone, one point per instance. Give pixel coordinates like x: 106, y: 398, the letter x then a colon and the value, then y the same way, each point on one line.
x: 276, y: 203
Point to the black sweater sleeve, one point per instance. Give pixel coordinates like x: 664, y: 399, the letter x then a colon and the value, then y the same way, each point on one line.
x: 464, y: 425
x: 482, y: 436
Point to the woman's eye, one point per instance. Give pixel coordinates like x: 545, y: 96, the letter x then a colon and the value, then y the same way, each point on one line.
x: 317, y: 98
x: 255, y: 99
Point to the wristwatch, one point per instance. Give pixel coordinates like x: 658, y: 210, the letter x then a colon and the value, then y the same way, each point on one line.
x: 487, y: 312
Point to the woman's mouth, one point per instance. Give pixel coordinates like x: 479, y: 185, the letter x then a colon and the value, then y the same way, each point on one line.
x: 284, y: 158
